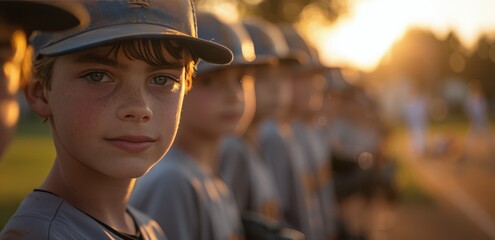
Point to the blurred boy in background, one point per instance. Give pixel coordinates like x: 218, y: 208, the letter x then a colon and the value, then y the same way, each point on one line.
x: 356, y: 140
x: 241, y: 163
x: 17, y: 20
x: 308, y: 85
x: 293, y: 172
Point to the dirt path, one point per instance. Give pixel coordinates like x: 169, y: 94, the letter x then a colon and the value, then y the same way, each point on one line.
x: 463, y: 189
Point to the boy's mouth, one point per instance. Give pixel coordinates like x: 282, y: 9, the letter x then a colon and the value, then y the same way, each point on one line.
x: 132, y: 144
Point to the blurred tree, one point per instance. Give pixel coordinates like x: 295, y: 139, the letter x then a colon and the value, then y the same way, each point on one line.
x: 431, y: 61
x: 283, y: 11
x: 418, y: 55
x: 481, y: 66
x: 453, y: 56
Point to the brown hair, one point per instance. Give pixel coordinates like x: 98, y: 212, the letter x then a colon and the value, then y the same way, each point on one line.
x: 151, y: 51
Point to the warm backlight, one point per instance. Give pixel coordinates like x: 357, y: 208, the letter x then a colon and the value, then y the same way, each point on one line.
x: 361, y: 37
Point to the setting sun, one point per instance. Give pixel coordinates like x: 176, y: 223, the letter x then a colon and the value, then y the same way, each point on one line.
x: 361, y: 37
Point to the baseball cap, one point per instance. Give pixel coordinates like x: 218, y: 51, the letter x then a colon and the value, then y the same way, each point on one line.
x: 43, y: 15
x: 299, y: 46
x: 269, y: 42
x: 114, y: 20
x: 233, y: 35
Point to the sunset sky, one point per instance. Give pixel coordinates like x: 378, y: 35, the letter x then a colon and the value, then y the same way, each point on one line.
x: 362, y: 36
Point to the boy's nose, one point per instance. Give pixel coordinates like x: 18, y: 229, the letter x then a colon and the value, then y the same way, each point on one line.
x: 137, y: 114
x: 135, y: 109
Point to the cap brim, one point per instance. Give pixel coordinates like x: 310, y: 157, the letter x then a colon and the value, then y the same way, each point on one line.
x: 311, y: 68
x: 237, y: 62
x: 291, y: 60
x: 208, y: 51
x: 44, y: 15
x: 265, y: 60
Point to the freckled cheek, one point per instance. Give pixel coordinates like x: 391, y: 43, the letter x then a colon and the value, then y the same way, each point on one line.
x: 79, y: 112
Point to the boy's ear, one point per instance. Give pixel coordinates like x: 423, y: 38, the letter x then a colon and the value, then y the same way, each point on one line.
x: 35, y: 94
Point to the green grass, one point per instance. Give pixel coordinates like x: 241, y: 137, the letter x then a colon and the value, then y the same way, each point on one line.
x: 24, y: 166
x: 410, y: 189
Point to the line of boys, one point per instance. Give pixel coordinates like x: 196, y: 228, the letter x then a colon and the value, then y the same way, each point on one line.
x: 112, y: 92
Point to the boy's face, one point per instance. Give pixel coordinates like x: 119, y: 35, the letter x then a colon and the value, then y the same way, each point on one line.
x: 308, y: 89
x: 273, y: 91
x: 215, y: 104
x: 114, y: 115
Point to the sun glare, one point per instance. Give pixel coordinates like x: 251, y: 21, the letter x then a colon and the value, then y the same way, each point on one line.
x: 360, y: 38
x: 11, y: 113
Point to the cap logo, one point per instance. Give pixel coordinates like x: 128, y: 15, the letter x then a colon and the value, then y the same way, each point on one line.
x: 138, y: 4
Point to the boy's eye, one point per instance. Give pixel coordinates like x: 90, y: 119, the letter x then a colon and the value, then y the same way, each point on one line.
x: 96, y: 77
x: 164, y: 80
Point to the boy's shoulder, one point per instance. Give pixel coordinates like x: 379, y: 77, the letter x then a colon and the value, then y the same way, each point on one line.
x: 176, y: 165
x: 149, y: 227
x: 176, y: 178
x: 43, y: 215
x: 234, y: 147
x: 268, y: 127
x: 176, y: 172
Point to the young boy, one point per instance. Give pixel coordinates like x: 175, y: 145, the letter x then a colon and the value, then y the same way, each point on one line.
x: 293, y: 169
x: 241, y: 166
x: 112, y: 93
x: 308, y: 91
x: 183, y: 192
x: 17, y: 20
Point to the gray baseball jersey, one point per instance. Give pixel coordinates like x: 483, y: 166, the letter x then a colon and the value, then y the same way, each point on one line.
x: 249, y: 178
x: 43, y: 215
x: 300, y: 203
x: 187, y: 202
x: 317, y: 153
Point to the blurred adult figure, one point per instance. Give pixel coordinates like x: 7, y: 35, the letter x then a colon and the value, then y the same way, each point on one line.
x: 416, y: 117
x: 476, y: 109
